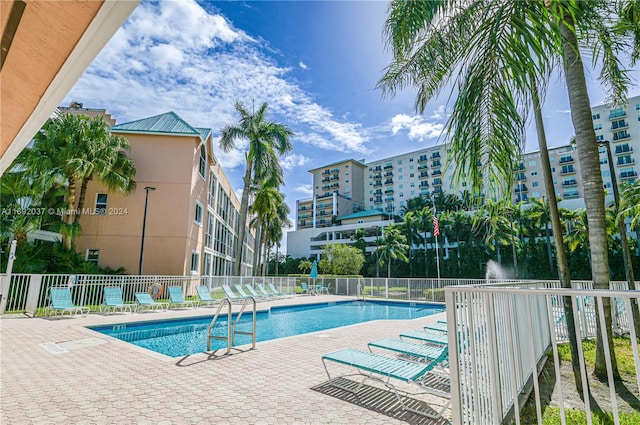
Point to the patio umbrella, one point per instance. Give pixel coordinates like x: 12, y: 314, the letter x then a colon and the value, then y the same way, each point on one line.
x: 314, y: 270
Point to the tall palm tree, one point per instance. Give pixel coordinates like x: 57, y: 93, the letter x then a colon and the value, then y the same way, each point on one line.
x: 540, y: 212
x: 72, y: 148
x: 393, y: 247
x: 110, y: 165
x: 411, y: 233
x: 510, y: 41
x: 267, y: 140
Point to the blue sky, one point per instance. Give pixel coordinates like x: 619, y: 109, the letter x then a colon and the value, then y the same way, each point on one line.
x: 315, y: 62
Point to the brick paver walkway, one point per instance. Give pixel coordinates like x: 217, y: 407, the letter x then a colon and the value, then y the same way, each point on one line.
x: 101, y: 380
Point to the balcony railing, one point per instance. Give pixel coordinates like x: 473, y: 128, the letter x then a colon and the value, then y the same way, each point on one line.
x: 570, y: 182
x: 623, y: 149
x: 628, y: 174
x: 618, y: 113
x: 625, y: 161
x: 566, y: 160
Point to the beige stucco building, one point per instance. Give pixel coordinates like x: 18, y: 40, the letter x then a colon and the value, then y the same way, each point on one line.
x: 192, y: 214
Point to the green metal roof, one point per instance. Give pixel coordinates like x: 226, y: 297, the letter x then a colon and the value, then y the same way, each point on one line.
x: 362, y: 214
x: 204, y: 132
x: 167, y: 123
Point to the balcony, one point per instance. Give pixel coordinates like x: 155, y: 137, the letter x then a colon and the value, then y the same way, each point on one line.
x: 377, y: 176
x: 571, y: 194
x: 377, y: 200
x: 435, y: 155
x: 521, y: 176
x: 625, y: 161
x: 521, y: 188
x: 436, y: 173
x: 423, y: 185
x: 567, y: 170
x: 378, y: 192
x: 388, y: 181
x: 325, y: 187
x: 325, y: 172
x: 335, y: 186
x: 628, y: 174
x: 621, y: 135
x: 523, y: 197
x: 617, y: 113
x: 377, y: 184
x: 389, y: 199
x: 335, y: 170
x: 388, y: 209
x: 388, y: 167
x: 437, y: 182
x: 388, y: 174
x: 422, y: 167
x: 423, y: 175
x: 566, y: 159
x: 377, y: 168
x: 326, y: 179
x: 423, y: 158
x: 436, y: 164
x: 619, y: 125
x: 390, y: 190
x: 623, y: 149
x: 335, y: 177
x: 572, y: 182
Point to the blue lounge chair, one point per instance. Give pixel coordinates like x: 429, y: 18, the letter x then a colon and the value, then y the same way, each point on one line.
x: 176, y: 297
x: 205, y: 296
x: 113, y: 300
x: 418, y: 352
x: 275, y: 290
x: 144, y: 300
x: 264, y: 291
x: 232, y: 296
x: 438, y: 327
x: 62, y: 303
x: 306, y: 289
x: 240, y: 291
x: 253, y: 292
x: 429, y: 337
x: 382, y: 369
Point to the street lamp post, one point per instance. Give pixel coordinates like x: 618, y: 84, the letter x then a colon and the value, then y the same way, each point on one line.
x: 144, y: 226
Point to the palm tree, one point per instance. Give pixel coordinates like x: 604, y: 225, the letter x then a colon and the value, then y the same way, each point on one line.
x: 410, y: 229
x: 393, y: 247
x: 73, y: 148
x: 110, y: 165
x: 540, y: 212
x: 495, y: 58
x: 267, y: 140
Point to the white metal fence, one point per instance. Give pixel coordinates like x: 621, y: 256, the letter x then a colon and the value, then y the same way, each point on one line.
x: 29, y: 293
x: 499, y: 336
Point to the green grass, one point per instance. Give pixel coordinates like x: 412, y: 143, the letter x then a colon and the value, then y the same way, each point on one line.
x: 551, y: 416
x: 622, y: 347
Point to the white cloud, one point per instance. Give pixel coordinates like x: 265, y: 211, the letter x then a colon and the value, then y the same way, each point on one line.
x: 438, y: 113
x: 416, y: 127
x: 303, y: 65
x: 293, y: 160
x: 305, y: 189
x: 175, y: 56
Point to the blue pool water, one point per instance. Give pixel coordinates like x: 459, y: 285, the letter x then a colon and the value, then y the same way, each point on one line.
x: 181, y: 337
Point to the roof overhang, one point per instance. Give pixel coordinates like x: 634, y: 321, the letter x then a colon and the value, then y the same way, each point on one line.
x: 49, y: 45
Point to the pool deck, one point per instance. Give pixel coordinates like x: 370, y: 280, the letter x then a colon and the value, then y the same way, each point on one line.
x: 56, y: 371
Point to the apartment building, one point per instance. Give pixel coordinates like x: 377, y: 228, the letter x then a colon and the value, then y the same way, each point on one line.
x: 191, y: 209
x: 389, y: 182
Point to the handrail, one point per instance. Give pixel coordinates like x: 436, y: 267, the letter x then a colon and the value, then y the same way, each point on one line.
x: 253, y: 332
x: 213, y: 321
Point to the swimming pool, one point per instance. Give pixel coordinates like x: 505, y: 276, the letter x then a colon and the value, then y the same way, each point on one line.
x: 181, y: 337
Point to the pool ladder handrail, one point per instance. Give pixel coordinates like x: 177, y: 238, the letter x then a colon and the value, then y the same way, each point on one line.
x: 231, y: 326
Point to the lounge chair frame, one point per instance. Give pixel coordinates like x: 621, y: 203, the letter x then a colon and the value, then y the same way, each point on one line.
x: 381, y: 369
x: 205, y: 296
x: 113, y: 300
x: 409, y: 350
x: 176, y: 298
x: 62, y: 302
x: 142, y: 300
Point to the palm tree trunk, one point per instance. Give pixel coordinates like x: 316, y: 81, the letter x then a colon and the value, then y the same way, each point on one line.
x: 256, y: 247
x: 81, y: 198
x: 242, y: 223
x: 592, y: 185
x: 549, y: 253
x: 561, y: 252
x: 67, y: 239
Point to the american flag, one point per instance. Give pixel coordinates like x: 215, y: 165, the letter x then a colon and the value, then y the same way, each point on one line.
x: 436, y: 226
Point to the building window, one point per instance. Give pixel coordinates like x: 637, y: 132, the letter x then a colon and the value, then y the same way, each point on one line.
x: 637, y: 106
x: 597, y: 127
x: 600, y: 138
x: 532, y: 163
x: 198, y: 215
x: 195, y: 262
x: 534, y: 173
x: 534, y: 184
x: 202, y: 165
x: 411, y: 159
x: 596, y: 116
x: 92, y: 256
x: 101, y: 204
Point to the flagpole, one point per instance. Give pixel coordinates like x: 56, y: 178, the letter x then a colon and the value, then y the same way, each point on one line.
x: 437, y: 251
